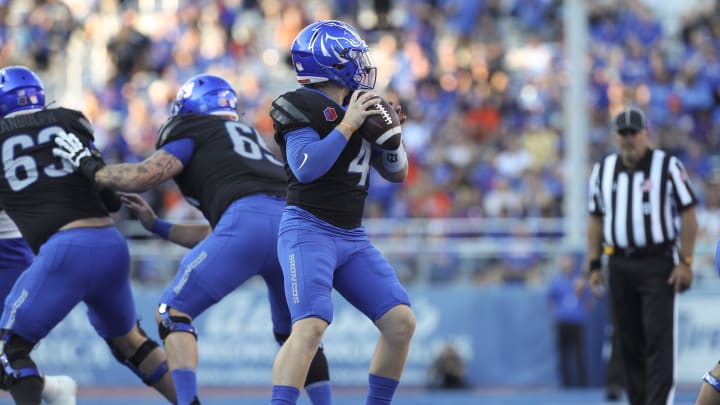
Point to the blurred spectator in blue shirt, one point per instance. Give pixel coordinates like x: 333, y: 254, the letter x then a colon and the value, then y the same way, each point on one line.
x: 569, y: 301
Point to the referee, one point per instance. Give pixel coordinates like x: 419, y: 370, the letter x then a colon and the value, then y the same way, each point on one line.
x: 642, y: 216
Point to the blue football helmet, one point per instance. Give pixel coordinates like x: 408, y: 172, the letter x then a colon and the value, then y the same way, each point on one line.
x: 333, y: 51
x: 205, y: 94
x: 20, y: 89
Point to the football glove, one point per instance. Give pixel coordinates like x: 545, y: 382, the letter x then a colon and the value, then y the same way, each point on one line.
x: 85, y: 161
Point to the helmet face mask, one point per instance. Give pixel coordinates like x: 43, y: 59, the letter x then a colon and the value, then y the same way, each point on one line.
x: 205, y: 94
x: 20, y: 89
x: 333, y: 51
x: 365, y: 72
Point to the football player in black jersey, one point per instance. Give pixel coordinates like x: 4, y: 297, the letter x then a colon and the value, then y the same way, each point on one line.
x: 80, y: 255
x: 322, y: 244
x: 224, y: 168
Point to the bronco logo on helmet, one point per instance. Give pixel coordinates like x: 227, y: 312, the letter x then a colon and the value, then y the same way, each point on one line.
x: 332, y: 51
x: 205, y: 94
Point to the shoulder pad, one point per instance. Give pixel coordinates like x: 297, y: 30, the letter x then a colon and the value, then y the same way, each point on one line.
x: 86, y: 123
x: 77, y: 122
x: 187, y: 126
x: 163, y: 132
x: 284, y: 112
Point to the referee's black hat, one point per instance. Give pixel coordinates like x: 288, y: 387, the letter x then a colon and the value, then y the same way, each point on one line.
x: 630, y: 119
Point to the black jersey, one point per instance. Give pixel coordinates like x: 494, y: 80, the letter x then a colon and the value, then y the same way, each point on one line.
x: 230, y: 161
x: 338, y: 196
x: 39, y: 191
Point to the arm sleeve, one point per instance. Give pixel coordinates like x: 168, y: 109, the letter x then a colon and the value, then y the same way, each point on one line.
x: 182, y: 149
x: 308, y: 156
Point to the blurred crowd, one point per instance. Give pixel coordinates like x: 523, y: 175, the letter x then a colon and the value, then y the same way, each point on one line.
x: 482, y: 83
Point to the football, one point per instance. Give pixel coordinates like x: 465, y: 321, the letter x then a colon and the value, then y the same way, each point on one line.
x: 382, y: 129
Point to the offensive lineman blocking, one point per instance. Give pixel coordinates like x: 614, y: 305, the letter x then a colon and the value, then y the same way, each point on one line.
x: 80, y: 255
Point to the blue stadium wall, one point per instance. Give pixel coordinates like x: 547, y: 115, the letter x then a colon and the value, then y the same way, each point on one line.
x: 504, y: 334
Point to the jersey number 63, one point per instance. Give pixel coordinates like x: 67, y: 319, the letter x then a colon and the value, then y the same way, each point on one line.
x: 21, y: 170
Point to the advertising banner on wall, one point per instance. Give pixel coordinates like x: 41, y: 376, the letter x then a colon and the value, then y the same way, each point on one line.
x: 503, y: 334
x: 500, y: 335
x: 698, y: 335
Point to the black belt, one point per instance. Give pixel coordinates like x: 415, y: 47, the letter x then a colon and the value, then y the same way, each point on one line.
x: 644, y: 251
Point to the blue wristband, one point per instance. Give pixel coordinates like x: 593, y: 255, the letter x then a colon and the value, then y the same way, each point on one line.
x: 710, y: 379
x: 161, y: 228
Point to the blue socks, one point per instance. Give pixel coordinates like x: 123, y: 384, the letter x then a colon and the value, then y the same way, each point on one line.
x: 185, y: 385
x: 380, y: 390
x: 319, y: 393
x: 284, y: 395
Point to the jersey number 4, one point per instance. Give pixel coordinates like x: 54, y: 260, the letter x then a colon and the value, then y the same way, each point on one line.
x: 22, y: 170
x: 361, y: 163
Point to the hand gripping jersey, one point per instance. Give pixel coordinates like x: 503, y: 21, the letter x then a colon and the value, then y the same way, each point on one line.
x: 230, y: 160
x: 39, y: 191
x: 338, y: 196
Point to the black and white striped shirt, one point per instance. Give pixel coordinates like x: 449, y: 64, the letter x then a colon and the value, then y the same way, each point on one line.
x: 639, y: 207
